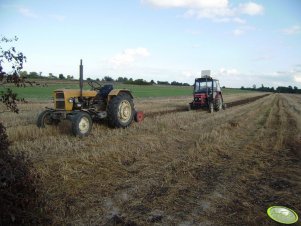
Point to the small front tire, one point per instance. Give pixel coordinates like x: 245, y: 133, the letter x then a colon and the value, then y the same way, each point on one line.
x: 81, y: 124
x: 44, y: 119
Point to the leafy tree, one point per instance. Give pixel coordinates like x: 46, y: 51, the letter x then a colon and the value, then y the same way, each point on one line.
x: 15, y: 60
x: 120, y: 79
x: 61, y: 76
x: 108, y: 79
x: 11, y: 55
x: 50, y: 75
x: 163, y: 83
x: 140, y: 82
x: 23, y: 74
x: 33, y: 74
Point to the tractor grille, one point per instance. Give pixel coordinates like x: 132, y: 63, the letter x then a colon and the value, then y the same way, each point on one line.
x: 59, y: 95
x: 59, y: 101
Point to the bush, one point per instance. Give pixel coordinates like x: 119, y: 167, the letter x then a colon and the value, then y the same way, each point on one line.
x: 4, y: 143
x: 19, y: 203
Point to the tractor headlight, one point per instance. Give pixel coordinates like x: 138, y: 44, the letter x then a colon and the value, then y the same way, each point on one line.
x: 196, y: 99
x: 78, y: 105
x: 71, y: 100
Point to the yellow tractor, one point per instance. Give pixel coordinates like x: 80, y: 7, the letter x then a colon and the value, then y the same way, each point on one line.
x: 82, y: 107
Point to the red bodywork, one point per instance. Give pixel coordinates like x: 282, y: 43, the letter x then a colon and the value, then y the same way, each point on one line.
x: 200, y: 99
x: 206, y: 92
x: 139, y: 116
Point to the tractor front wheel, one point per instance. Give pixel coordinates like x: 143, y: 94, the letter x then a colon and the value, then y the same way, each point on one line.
x: 211, y: 108
x: 44, y: 119
x: 81, y: 124
x: 121, y: 111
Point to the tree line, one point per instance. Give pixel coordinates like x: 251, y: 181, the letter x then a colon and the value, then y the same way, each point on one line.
x: 36, y: 75
x: 279, y: 89
x: 124, y: 80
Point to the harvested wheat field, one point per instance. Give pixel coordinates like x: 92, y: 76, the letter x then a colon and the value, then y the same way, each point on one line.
x: 180, y: 168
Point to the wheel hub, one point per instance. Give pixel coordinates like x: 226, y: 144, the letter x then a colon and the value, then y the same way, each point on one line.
x: 84, y: 125
x: 124, y: 111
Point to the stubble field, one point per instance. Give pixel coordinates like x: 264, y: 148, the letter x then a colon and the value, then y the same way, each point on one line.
x: 181, y: 168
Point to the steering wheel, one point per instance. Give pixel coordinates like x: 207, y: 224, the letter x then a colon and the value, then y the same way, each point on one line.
x: 95, y: 85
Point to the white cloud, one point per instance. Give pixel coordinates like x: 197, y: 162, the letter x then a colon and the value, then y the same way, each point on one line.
x: 188, y: 74
x: 263, y: 57
x: 228, y: 72
x: 27, y: 12
x: 251, y: 8
x: 297, y: 77
x: 128, y: 56
x: 296, y: 73
x: 217, y: 14
x: 242, y: 30
x: 193, y: 32
x: 216, y: 10
x: 238, y: 32
x: 239, y: 20
x: 296, y: 29
x: 57, y: 17
x: 188, y: 3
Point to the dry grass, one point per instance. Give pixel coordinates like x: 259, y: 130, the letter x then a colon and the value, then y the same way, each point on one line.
x: 186, y: 168
x: 150, y: 105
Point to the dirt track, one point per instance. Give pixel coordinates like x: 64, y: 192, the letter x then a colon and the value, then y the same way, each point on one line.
x: 181, y: 168
x: 185, y: 108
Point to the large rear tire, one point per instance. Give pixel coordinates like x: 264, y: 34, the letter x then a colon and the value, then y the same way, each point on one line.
x: 218, y: 104
x: 44, y: 119
x: 224, y: 106
x: 81, y: 124
x: 120, y: 111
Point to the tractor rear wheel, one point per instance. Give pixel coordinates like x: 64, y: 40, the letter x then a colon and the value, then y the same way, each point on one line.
x: 44, y: 119
x: 224, y: 106
x: 218, y: 104
x: 121, y: 111
x: 81, y: 124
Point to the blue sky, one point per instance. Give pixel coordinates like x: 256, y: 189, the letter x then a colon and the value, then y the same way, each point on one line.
x: 241, y: 42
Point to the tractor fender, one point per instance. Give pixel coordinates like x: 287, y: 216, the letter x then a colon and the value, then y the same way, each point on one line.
x: 116, y: 92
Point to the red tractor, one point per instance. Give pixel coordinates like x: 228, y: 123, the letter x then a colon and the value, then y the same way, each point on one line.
x: 207, y: 93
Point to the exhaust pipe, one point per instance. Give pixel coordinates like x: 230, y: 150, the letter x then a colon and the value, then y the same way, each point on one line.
x: 81, y: 79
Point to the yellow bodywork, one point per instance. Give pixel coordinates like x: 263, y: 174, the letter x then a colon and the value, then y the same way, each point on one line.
x: 115, y: 92
x: 62, y: 97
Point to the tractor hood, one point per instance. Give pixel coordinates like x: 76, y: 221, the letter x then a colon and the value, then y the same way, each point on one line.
x: 76, y: 92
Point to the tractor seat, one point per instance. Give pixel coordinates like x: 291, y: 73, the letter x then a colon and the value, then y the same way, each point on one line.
x: 105, y: 90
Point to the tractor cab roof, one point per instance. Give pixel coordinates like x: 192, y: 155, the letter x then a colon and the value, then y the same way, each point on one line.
x: 205, y: 78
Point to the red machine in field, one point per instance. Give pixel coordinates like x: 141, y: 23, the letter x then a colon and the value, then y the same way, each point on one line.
x: 207, y: 93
